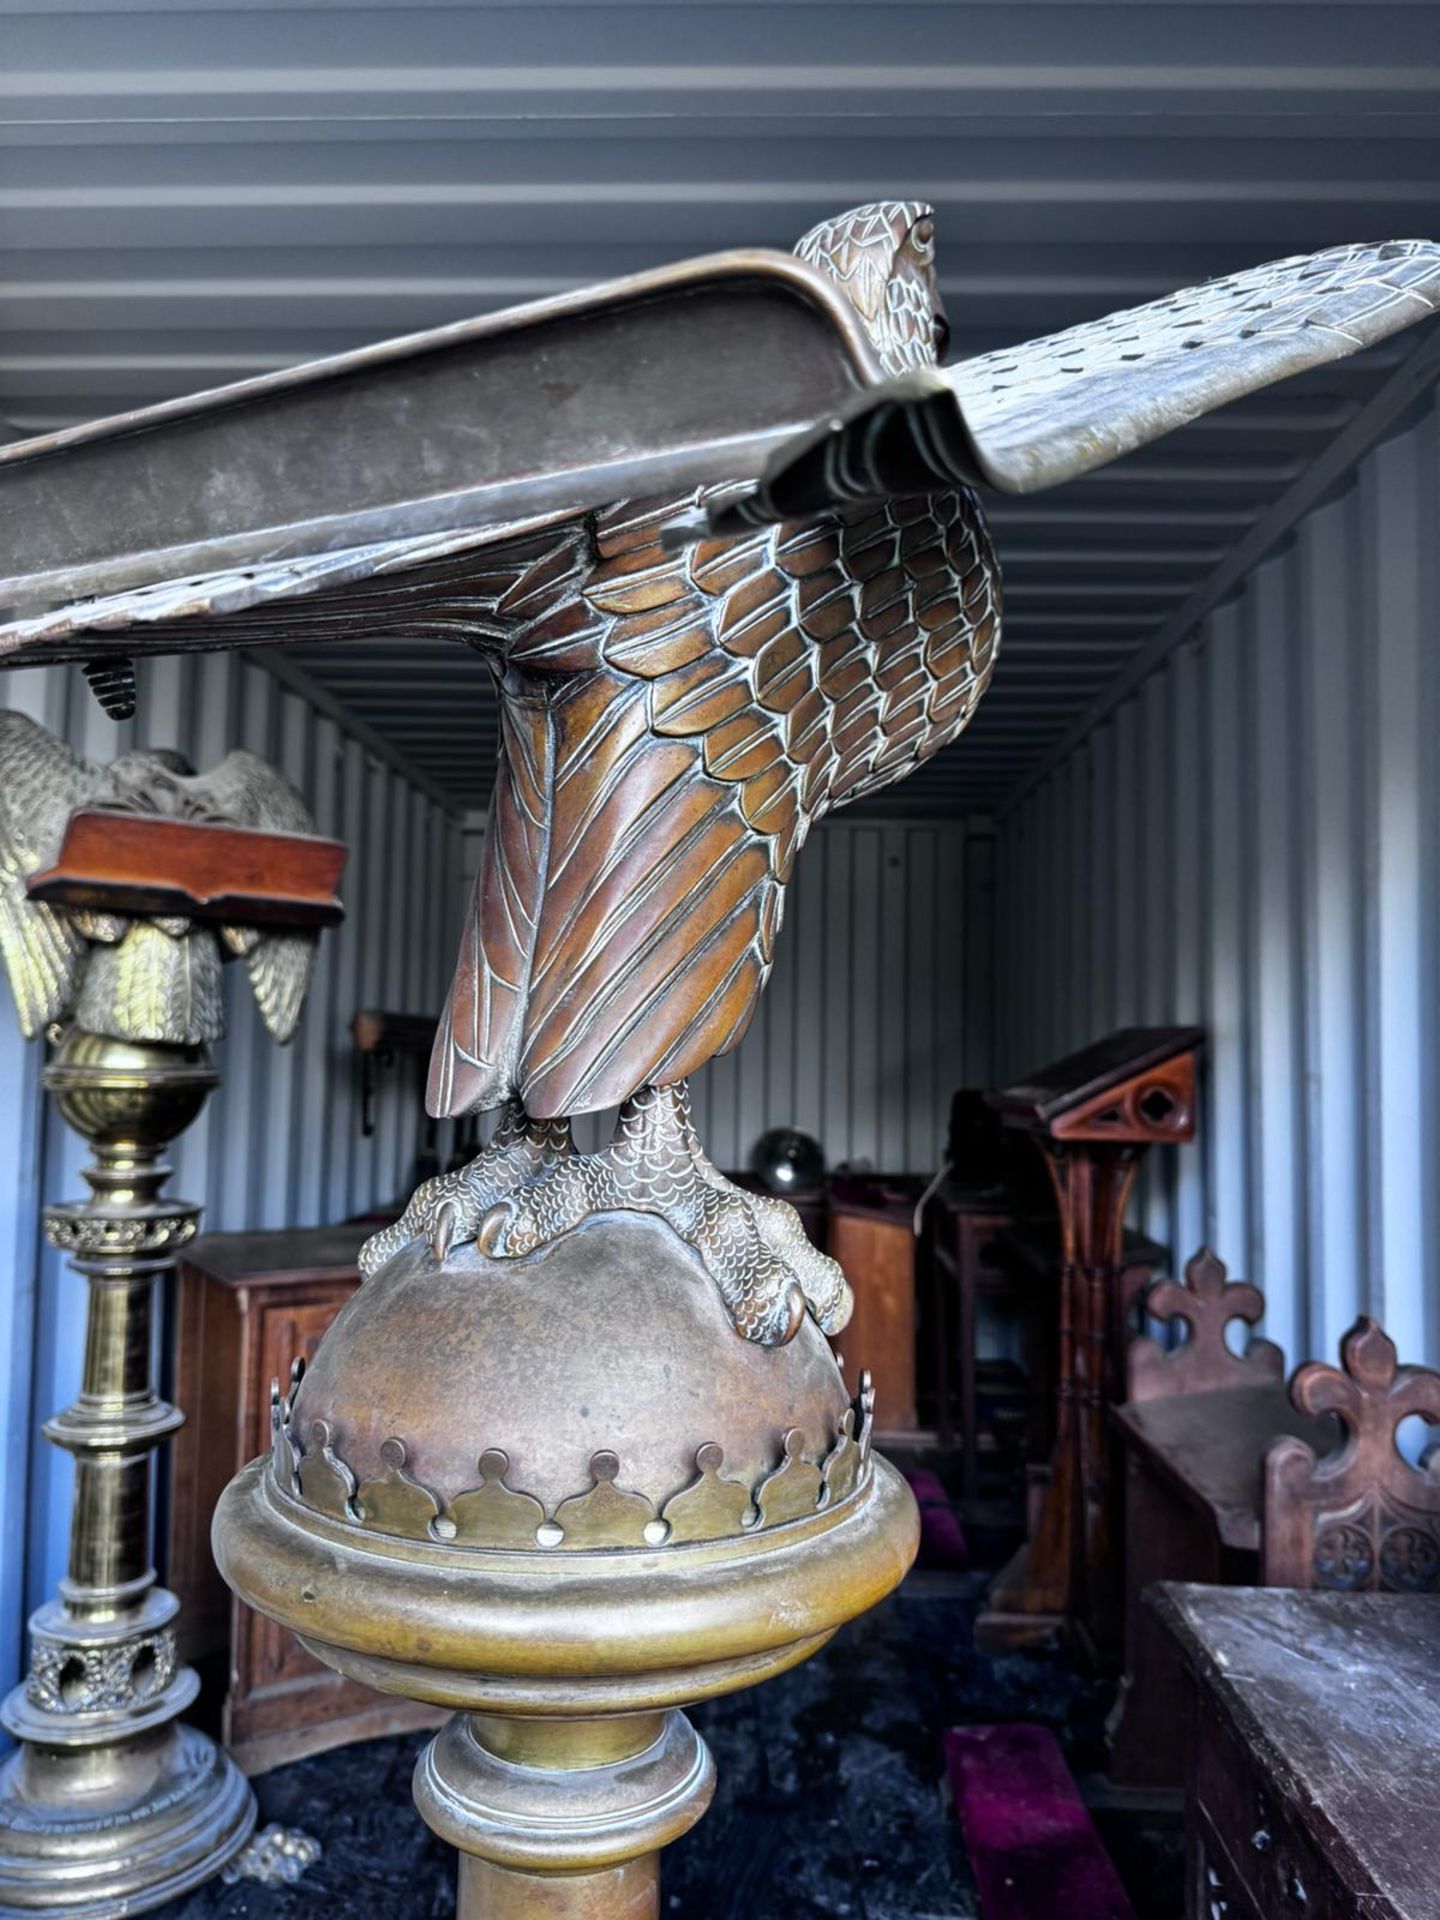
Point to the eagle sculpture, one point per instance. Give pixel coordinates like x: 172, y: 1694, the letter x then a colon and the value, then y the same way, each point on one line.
x: 688, y: 684
x: 135, y: 977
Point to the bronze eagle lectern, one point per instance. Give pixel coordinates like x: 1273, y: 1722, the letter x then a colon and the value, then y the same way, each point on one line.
x: 531, y: 1475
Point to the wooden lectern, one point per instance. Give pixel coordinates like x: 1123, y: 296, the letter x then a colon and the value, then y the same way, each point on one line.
x: 1092, y: 1115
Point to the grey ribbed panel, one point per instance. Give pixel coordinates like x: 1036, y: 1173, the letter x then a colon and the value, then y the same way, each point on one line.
x: 1251, y: 842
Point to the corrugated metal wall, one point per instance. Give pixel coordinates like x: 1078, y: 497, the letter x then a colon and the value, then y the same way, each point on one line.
x: 279, y: 1143
x: 1250, y: 843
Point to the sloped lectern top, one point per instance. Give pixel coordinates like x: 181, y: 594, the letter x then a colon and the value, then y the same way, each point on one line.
x: 1138, y: 1081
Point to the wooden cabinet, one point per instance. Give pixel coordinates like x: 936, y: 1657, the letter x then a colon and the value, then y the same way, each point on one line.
x: 872, y: 1235
x: 249, y: 1303
x: 1312, y: 1738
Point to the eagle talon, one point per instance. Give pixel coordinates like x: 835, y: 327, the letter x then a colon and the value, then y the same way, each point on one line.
x: 530, y: 1187
x: 752, y: 1245
x: 442, y: 1234
x: 451, y: 1209
x: 490, y: 1235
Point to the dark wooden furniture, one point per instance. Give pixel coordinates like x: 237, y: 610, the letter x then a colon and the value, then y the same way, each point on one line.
x: 381, y: 1039
x: 1093, y: 1115
x: 992, y: 1181
x: 1312, y: 1784
x: 1030, y: 1253
x: 872, y: 1235
x: 249, y: 1303
x: 1245, y: 1483
x: 960, y: 1228
x: 1194, y: 1433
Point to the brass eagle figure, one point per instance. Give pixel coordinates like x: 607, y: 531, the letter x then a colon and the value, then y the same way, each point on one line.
x: 673, y: 724
x: 689, y: 683
x: 154, y: 977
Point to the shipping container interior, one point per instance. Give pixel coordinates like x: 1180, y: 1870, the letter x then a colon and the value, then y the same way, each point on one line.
x: 1203, y: 788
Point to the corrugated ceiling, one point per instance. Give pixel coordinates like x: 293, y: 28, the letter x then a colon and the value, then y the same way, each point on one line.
x: 192, y: 193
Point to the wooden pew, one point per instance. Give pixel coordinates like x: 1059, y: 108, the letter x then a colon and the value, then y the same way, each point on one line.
x: 1194, y: 1431
x: 1361, y: 1519
x: 1313, y: 1713
x: 1232, y: 1479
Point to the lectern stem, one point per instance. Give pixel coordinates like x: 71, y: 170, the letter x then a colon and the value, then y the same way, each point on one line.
x: 627, y: 1892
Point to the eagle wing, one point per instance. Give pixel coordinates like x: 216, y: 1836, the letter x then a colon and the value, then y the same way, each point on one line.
x: 1060, y: 406
x: 41, y: 782
x: 420, y: 587
x: 714, y: 704
x: 461, y: 586
x: 1035, y: 415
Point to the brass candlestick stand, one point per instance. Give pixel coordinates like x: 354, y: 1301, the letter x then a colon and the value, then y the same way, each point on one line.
x: 110, y: 1805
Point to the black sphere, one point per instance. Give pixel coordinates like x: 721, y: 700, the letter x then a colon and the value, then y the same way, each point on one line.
x: 788, y: 1161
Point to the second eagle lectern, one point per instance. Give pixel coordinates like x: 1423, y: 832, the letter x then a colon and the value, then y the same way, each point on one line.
x: 577, y: 1453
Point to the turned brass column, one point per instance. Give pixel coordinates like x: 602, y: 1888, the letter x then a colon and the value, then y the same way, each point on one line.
x: 563, y: 1818
x: 111, y: 1805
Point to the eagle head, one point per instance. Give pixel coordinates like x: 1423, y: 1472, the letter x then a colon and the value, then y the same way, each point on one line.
x: 883, y: 258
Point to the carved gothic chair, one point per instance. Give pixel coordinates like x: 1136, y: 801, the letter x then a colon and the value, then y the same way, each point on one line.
x: 1194, y: 1432
x: 1206, y: 1302
x: 1233, y: 1479
x: 1359, y: 1517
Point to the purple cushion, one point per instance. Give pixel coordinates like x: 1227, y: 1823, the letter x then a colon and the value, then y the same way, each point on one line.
x: 1032, y: 1845
x: 942, y: 1539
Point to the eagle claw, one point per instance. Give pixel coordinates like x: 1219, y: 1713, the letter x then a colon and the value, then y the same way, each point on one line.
x: 516, y: 1198
x: 448, y: 1210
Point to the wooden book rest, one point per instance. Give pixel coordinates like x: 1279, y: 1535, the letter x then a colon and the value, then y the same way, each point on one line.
x: 149, y: 863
